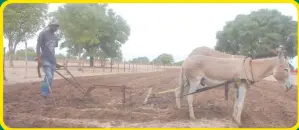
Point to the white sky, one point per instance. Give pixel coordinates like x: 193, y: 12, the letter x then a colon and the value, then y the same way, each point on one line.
x: 175, y: 28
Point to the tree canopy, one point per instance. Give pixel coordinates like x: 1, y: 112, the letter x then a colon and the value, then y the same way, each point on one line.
x: 60, y: 56
x: 165, y: 59
x: 20, y: 54
x: 254, y: 33
x: 179, y: 63
x: 138, y: 60
x: 92, y: 27
x: 21, y: 22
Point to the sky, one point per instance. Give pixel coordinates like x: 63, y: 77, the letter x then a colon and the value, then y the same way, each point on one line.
x: 176, y: 29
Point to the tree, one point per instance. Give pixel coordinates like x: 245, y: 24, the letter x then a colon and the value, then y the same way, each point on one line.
x: 20, y: 54
x: 165, y: 59
x: 179, y: 63
x: 79, y: 26
x: 138, y: 60
x: 253, y: 34
x: 21, y: 22
x: 92, y: 27
x: 60, y: 56
x: 118, y: 31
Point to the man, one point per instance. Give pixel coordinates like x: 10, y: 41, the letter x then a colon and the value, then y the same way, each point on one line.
x: 46, y: 43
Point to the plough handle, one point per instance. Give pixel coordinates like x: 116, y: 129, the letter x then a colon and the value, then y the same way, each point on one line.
x: 39, y: 66
x: 74, y: 84
x: 208, y: 88
x: 38, y: 70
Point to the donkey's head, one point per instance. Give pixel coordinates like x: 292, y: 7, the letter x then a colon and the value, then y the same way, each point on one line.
x: 281, y: 71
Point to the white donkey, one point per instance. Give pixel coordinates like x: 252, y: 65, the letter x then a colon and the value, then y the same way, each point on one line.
x: 214, y: 70
x: 203, y: 50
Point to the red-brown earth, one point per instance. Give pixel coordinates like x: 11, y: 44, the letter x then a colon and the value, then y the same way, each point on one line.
x: 266, y: 105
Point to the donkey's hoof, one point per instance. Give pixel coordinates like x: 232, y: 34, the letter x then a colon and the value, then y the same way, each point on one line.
x: 192, y: 117
x: 238, y: 123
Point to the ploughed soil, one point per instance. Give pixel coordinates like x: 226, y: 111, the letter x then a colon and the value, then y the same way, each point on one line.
x: 266, y: 104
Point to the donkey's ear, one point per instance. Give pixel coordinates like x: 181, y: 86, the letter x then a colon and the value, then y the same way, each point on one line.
x: 280, y: 49
x: 274, y: 51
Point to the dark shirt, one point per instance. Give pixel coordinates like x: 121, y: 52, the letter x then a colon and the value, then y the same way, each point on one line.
x: 48, y: 41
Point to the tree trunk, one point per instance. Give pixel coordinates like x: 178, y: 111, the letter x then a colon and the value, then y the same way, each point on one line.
x: 65, y: 64
x: 91, y: 61
x: 11, y: 58
x: 26, y: 60
x: 101, y: 60
x: 93, y: 67
x: 79, y: 62
x: 4, y: 65
x: 12, y: 50
x: 82, y: 65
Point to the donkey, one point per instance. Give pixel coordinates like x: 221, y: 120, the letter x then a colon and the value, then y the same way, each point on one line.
x: 203, y: 50
x: 215, y: 70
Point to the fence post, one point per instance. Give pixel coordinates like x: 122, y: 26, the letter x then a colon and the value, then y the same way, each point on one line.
x: 103, y: 64
x: 125, y: 66
x: 133, y: 67
x: 117, y: 66
x: 26, y: 59
x: 111, y: 65
x: 93, y: 67
x: 153, y: 66
x: 129, y: 65
x: 146, y: 67
x: 104, y: 68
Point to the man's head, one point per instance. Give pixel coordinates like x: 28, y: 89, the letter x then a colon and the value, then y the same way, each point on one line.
x: 53, y: 25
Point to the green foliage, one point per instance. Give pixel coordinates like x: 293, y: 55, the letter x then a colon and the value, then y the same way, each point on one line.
x: 60, y: 56
x: 20, y: 54
x: 179, y: 63
x: 165, y: 59
x: 254, y: 33
x: 73, y: 49
x: 142, y: 60
x: 21, y: 22
x: 92, y: 27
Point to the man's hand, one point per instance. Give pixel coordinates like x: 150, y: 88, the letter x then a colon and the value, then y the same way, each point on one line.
x: 58, y: 66
x: 39, y: 65
x: 39, y: 60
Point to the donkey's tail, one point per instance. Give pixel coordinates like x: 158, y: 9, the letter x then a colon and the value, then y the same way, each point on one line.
x: 183, y: 81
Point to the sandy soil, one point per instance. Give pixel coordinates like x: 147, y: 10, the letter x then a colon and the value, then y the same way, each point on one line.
x: 267, y: 105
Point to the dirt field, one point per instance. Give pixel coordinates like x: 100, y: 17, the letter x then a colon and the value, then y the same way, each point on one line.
x: 266, y: 105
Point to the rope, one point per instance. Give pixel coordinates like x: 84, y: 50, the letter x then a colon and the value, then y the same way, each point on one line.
x: 208, y: 88
x: 171, y: 90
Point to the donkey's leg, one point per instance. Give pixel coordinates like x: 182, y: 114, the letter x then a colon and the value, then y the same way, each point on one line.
x: 239, y: 102
x: 177, y: 97
x: 190, y: 104
x: 194, y: 85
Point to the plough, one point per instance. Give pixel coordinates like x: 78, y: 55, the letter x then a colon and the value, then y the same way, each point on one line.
x: 86, y: 92
x: 225, y: 84
x: 73, y: 83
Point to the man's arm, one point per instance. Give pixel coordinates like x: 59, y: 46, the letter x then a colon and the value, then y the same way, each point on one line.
x: 38, y: 45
